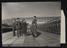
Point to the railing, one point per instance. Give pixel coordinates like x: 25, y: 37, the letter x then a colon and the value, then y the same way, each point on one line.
x: 51, y: 26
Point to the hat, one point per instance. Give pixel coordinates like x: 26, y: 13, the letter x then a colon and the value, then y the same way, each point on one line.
x: 34, y: 16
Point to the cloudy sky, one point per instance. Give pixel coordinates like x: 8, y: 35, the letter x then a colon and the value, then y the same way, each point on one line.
x: 29, y: 9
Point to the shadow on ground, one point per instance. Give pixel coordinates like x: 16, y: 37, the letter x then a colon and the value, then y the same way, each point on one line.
x: 38, y: 33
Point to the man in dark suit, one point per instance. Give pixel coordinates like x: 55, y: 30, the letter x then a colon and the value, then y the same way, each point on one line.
x: 14, y: 27
x: 18, y: 27
x: 22, y: 27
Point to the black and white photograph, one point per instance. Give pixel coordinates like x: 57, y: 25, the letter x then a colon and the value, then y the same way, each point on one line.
x: 31, y: 24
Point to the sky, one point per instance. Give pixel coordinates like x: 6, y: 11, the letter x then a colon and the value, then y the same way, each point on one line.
x: 30, y: 9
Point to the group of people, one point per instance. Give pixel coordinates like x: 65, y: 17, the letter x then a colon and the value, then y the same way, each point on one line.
x: 20, y: 25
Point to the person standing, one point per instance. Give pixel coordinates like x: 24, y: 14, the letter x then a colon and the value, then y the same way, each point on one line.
x: 34, y: 27
x: 14, y: 27
x: 24, y: 27
x: 18, y: 27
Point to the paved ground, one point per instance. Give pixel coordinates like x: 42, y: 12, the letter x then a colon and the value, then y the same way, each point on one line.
x: 44, y: 39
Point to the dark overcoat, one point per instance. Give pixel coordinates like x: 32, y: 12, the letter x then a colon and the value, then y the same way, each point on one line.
x: 34, y: 27
x: 24, y: 27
